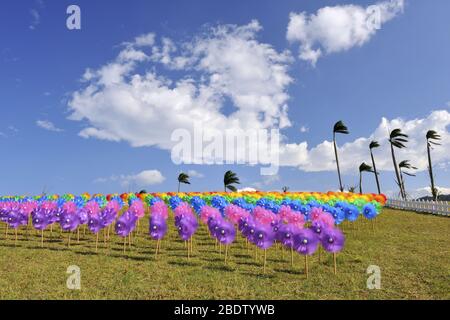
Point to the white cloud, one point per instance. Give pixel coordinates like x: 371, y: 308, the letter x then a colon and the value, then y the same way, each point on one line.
x: 142, y: 179
x: 225, y: 64
x: 48, y: 125
x: 195, y: 174
x: 36, y: 19
x: 247, y: 189
x: 338, y: 28
x: 304, y: 129
x: 351, y: 154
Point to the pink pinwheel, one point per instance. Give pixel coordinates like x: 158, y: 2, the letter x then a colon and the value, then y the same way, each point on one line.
x: 235, y: 213
x: 137, y: 208
x: 92, y: 208
x: 160, y: 209
x: 327, y: 219
x: 263, y: 216
x: 208, y: 212
x: 183, y: 209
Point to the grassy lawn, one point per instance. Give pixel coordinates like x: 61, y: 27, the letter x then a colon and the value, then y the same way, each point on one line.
x: 411, y: 249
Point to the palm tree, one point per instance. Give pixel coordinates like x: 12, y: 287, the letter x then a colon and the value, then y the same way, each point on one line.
x: 183, y: 178
x: 229, y: 179
x: 363, y: 168
x: 285, y: 189
x: 339, y: 127
x: 432, y: 137
x: 397, y: 139
x: 405, y: 165
x: 373, y: 145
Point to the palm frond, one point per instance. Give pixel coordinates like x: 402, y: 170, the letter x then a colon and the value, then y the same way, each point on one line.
x: 340, y: 127
x: 232, y: 188
x: 364, y: 167
x: 397, y: 138
x: 374, y: 144
x: 183, y: 178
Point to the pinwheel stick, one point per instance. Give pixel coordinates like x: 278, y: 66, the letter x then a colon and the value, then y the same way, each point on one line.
x: 226, y: 253
x: 78, y: 235
x: 188, y: 251
x: 6, y: 231
x: 334, y: 260
x: 15, y: 241
x: 292, y: 256
x: 42, y: 238
x: 68, y: 243
x: 124, y: 244
x: 158, y: 243
x: 265, y: 260
x: 96, y: 242
x: 320, y: 253
x: 306, y: 266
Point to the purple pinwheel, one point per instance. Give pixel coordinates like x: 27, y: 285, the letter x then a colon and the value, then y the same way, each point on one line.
x: 158, y: 227
x: 214, y: 225
x: 39, y: 219
x: 13, y: 219
x: 332, y: 239
x: 125, y: 224
x: 285, y: 235
x: 83, y: 216
x: 226, y: 232
x: 94, y: 224
x: 263, y: 236
x: 306, y: 242
x: 69, y: 221
x: 187, y: 227
x: 317, y: 226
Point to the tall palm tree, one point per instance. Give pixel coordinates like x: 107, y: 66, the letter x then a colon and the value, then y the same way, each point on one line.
x: 432, y: 137
x: 364, y: 167
x: 405, y: 165
x: 183, y: 178
x: 374, y: 144
x: 339, y: 127
x: 229, y: 179
x: 397, y: 139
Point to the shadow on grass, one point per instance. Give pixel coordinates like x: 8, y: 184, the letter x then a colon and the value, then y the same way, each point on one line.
x: 184, y: 263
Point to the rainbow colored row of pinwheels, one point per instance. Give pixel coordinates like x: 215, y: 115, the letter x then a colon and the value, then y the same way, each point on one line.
x: 298, y: 220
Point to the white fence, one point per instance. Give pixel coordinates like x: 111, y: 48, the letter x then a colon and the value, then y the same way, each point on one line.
x: 441, y: 208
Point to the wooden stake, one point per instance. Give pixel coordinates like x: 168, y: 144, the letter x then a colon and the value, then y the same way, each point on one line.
x: 306, y: 266
x: 157, y: 248
x: 292, y: 256
x: 320, y: 253
x: 265, y: 259
x: 334, y: 259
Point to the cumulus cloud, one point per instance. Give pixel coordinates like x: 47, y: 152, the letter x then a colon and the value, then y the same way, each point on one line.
x: 195, y: 174
x: 351, y: 154
x: 48, y: 125
x: 139, y: 180
x: 338, y: 28
x: 225, y: 66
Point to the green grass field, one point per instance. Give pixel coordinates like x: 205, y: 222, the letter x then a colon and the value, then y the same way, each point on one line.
x: 411, y: 249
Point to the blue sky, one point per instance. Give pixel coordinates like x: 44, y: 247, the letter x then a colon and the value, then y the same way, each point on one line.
x: 401, y: 72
